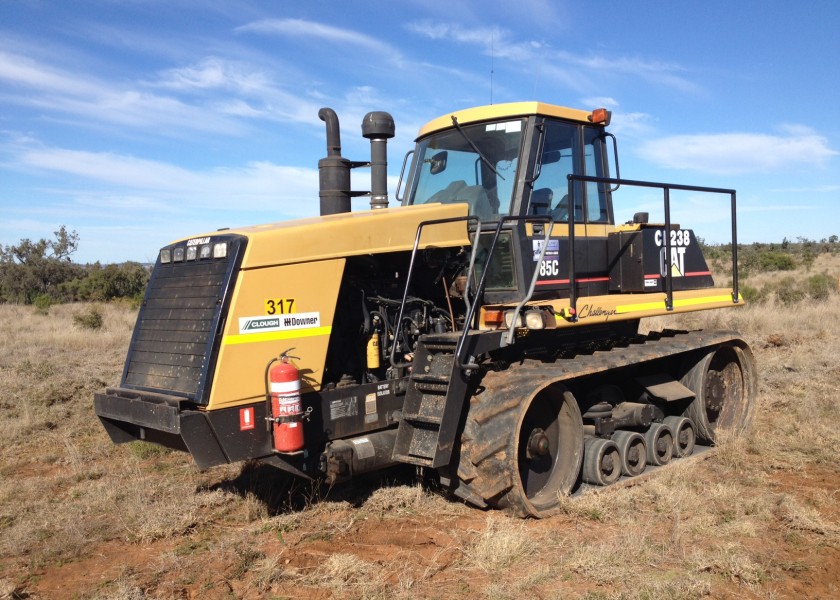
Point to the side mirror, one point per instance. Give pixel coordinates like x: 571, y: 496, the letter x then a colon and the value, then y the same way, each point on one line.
x: 438, y: 162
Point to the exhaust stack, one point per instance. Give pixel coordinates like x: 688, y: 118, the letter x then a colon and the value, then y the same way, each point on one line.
x: 333, y: 170
x: 378, y: 127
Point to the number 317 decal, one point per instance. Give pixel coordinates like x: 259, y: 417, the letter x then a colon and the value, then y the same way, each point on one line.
x: 279, y: 306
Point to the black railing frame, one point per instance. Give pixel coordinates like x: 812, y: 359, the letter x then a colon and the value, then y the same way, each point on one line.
x: 666, y: 192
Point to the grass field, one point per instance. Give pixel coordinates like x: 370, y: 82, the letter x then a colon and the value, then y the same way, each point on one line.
x: 82, y: 518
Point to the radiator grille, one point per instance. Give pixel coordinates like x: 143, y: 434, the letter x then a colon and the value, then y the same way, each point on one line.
x: 174, y: 342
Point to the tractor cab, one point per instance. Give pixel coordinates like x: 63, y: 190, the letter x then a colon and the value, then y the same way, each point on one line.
x: 510, y: 163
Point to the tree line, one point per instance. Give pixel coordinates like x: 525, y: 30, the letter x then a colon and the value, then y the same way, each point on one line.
x: 43, y: 273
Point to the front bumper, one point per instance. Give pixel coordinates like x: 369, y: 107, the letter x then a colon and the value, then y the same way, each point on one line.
x: 211, y: 438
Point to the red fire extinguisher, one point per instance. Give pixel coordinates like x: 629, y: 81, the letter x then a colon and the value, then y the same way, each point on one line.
x: 286, y: 409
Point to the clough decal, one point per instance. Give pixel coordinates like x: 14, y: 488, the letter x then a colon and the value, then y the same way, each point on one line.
x: 279, y: 323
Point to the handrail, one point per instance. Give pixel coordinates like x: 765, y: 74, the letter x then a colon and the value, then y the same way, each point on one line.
x: 483, y: 281
x: 666, y: 191
x: 420, y: 227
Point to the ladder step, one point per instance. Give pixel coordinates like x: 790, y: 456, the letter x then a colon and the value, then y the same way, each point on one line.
x: 439, y: 388
x: 420, y: 418
x: 413, y: 460
x: 441, y: 347
x: 421, y: 378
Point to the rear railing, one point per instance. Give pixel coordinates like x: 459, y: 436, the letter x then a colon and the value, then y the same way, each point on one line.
x: 666, y: 199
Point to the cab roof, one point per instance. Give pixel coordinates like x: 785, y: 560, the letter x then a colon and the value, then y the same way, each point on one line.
x: 494, y: 112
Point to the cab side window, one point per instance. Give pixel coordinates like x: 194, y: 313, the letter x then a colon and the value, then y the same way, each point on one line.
x: 561, y: 156
x: 557, y: 161
x: 596, y: 193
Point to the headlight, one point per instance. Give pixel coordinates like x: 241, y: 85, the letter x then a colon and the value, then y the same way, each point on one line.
x: 509, y: 318
x: 220, y: 250
x: 534, y: 319
x: 178, y: 254
x: 205, y: 251
x: 165, y: 256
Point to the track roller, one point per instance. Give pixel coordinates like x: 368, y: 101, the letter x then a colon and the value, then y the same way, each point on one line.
x: 684, y: 435
x: 660, y: 444
x: 601, y: 461
x: 632, y: 452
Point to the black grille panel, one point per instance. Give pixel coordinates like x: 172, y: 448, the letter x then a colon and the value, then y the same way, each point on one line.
x: 175, y: 339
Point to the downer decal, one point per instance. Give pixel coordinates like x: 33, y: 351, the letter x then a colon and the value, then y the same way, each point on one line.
x: 279, y: 323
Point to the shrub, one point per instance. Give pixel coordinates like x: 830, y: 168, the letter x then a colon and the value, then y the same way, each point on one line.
x: 775, y: 261
x: 89, y: 319
x: 753, y: 295
x: 820, y: 286
x: 789, y: 291
x: 42, y: 303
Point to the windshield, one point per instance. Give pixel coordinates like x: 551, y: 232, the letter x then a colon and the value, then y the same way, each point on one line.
x: 448, y: 169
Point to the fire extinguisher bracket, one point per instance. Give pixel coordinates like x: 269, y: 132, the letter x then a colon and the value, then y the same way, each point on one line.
x: 304, y: 416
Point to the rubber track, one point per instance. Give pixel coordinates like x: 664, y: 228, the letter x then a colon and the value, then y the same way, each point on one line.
x: 486, y: 468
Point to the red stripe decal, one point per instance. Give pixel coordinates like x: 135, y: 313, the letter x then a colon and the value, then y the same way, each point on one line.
x: 562, y: 281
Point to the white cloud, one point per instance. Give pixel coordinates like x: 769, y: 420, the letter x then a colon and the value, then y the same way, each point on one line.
x: 598, y: 101
x: 819, y: 189
x: 114, y: 180
x: 213, y: 72
x: 732, y: 153
x: 19, y: 70
x: 577, y: 71
x: 314, y: 31
x: 52, y: 89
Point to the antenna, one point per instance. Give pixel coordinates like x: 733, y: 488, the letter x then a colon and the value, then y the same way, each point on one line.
x: 492, y: 58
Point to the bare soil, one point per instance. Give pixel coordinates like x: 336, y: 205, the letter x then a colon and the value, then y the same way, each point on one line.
x: 82, y: 518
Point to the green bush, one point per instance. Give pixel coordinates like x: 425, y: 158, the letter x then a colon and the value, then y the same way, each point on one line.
x: 42, y: 304
x: 775, y: 261
x: 820, y: 286
x: 789, y: 291
x: 89, y: 319
x: 751, y: 294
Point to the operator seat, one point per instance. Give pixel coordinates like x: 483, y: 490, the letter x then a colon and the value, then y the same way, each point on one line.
x: 474, y: 195
x: 541, y: 201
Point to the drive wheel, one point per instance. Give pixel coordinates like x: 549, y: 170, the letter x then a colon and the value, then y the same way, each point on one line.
x: 521, y: 454
x: 724, y: 384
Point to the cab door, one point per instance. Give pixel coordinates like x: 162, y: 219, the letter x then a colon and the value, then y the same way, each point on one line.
x: 562, y: 149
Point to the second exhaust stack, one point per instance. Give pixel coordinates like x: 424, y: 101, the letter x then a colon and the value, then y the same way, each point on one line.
x: 378, y: 127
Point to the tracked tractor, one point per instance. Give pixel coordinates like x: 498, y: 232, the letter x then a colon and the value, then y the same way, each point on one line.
x: 486, y: 330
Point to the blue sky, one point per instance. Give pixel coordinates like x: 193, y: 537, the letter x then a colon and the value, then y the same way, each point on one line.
x: 136, y: 122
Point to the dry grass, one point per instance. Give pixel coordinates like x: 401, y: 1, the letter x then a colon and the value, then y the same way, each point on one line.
x: 80, y: 517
